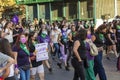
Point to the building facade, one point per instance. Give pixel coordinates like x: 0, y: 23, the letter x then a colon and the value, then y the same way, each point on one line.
x: 71, y: 9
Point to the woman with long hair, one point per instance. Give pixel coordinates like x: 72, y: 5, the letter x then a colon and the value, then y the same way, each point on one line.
x: 5, y: 48
x: 79, y: 55
x: 37, y: 67
x: 111, y: 40
x: 8, y: 30
x: 99, y: 40
x: 63, y: 42
x: 89, y: 71
x: 43, y: 37
x: 71, y: 37
x: 23, y: 57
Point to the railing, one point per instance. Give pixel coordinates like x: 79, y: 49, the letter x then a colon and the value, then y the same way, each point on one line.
x: 34, y: 1
x: 70, y: 20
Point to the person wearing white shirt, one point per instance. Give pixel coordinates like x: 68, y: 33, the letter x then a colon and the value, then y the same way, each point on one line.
x: 9, y: 32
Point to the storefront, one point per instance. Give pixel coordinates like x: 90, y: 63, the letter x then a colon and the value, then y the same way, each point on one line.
x: 71, y: 9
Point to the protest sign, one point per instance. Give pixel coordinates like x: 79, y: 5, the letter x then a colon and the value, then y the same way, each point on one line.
x: 41, y: 51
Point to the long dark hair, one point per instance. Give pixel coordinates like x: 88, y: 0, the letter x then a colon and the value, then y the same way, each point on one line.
x: 5, y: 47
x: 30, y: 44
x: 40, y: 32
x: 17, y: 43
x: 100, y: 28
x: 0, y: 34
x: 31, y: 34
x: 6, y: 25
x: 82, y: 34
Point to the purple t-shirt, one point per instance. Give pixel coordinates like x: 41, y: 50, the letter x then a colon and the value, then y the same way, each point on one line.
x: 22, y: 57
x: 44, y: 40
x: 88, y: 52
x: 20, y: 30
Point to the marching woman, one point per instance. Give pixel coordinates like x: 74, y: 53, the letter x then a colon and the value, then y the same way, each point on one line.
x: 63, y: 41
x: 54, y: 35
x: 117, y: 27
x: 23, y: 57
x: 37, y: 67
x: 79, y: 55
x: 89, y: 72
x: 111, y: 40
x: 5, y: 48
x: 8, y: 29
x: 43, y: 37
x: 71, y: 37
x: 99, y: 40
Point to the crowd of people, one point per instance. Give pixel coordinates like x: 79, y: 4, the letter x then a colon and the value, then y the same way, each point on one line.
x: 68, y: 45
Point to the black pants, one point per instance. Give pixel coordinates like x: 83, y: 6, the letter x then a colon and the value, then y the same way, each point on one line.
x: 79, y: 69
x: 118, y: 46
x: 118, y: 63
x: 10, y: 78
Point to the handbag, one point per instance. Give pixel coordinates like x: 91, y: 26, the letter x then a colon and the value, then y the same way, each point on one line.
x: 93, y: 48
x: 25, y: 67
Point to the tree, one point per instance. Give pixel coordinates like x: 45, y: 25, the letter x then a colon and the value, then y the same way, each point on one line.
x: 9, y: 8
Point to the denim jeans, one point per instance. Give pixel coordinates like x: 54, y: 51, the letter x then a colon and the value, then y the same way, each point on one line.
x: 56, y: 46
x: 98, y: 66
x: 24, y: 74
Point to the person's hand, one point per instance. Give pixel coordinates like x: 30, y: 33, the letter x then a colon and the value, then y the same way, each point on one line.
x: 30, y: 65
x: 17, y: 71
x: 79, y: 60
x: 100, y: 49
x: 51, y: 44
x: 8, y: 33
x: 1, y: 70
x: 115, y: 41
x: 62, y: 45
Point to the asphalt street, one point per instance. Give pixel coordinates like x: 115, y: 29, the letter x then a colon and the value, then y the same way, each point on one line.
x: 62, y: 74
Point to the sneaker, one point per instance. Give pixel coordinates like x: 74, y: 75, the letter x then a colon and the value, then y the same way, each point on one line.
x: 59, y: 65
x: 68, y: 65
x: 107, y: 58
x: 50, y: 69
x: 66, y: 68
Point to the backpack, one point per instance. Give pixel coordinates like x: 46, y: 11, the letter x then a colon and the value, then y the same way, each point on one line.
x: 93, y: 48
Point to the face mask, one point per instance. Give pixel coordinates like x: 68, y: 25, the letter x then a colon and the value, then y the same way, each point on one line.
x: 44, y: 32
x: 56, y: 28
x: 89, y: 36
x: 32, y: 29
x: 23, y: 40
x: 91, y: 22
x: 64, y: 29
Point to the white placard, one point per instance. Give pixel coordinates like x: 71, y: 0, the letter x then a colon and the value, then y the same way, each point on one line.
x: 41, y: 51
